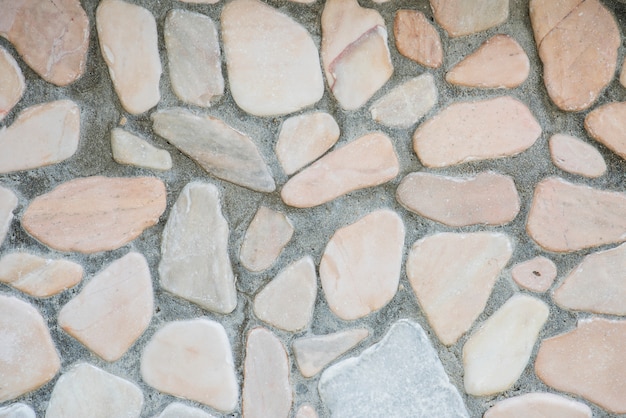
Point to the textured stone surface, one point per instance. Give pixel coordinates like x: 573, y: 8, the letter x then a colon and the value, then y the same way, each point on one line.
x: 416, y: 38
x: 13, y: 84
x: 535, y: 275
x: 133, y: 150
x: 576, y: 156
x: 267, y: 235
x: 8, y: 203
x: 538, y: 405
x: 180, y: 410
x: 464, y: 17
x: 18, y: 410
x: 607, y: 124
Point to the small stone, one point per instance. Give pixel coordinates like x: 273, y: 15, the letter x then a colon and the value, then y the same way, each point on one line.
x: 607, y: 125
x: 8, y: 203
x: 13, y: 85
x: 452, y: 276
x: 129, y: 43
x: 353, y: 387
x: 268, y: 233
x: 305, y: 411
x: 180, y: 410
x: 365, y: 162
x: 417, y: 39
x: 464, y: 17
x: 487, y: 198
x: 192, y: 359
x: 360, y: 267
x: 133, y: 150
x: 536, y: 275
x: 19, y: 410
x: 538, y: 405
x: 480, y: 130
x: 575, y: 156
x: 95, y: 214
x: 495, y: 356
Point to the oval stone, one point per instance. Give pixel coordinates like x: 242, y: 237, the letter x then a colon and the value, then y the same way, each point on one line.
x: 575, y: 156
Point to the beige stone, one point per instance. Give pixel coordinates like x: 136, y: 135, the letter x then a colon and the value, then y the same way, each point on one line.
x: 13, y: 85
x: 575, y: 156
x: 607, y: 125
x: 133, y: 150
x: 266, y: 236
x: 538, y: 405
x: 417, y: 39
x: 464, y: 17
x: 8, y: 203
x: 306, y: 411
x: 536, y: 275
x: 180, y: 410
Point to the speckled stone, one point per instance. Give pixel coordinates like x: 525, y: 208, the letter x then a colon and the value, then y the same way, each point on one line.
x: 536, y: 275
x: 607, y: 125
x: 13, y: 85
x: 576, y: 156
x: 266, y: 236
x: 8, y: 203
x: 464, y: 17
x: 416, y: 38
x: 133, y: 150
x: 538, y: 405
x: 18, y: 410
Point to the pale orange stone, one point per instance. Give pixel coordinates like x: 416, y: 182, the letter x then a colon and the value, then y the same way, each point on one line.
x: 536, y: 275
x: 607, y: 124
x: 267, y: 235
x: 538, y: 405
x: 575, y: 156
x: 12, y: 86
x: 464, y: 17
x: 417, y: 39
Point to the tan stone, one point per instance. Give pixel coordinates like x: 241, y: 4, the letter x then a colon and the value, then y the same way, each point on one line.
x: 180, y: 410
x: 575, y: 156
x: 306, y: 411
x: 538, y: 405
x: 464, y: 17
x: 13, y: 85
x: 133, y: 150
x: 417, y: 39
x: 267, y: 235
x: 607, y: 125
x: 536, y: 275
x: 8, y: 203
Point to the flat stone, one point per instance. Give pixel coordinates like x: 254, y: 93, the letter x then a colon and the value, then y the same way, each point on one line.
x: 304, y: 138
x: 452, y: 276
x: 41, y: 135
x: 305, y: 411
x: 87, y: 391
x: 267, y: 235
x: 464, y: 17
x: 8, y: 203
x: 266, y: 387
x: 587, y: 361
x: 536, y: 275
x: 314, y: 353
x: 194, y: 59
x: 287, y: 301
x: 273, y: 63
x: 57, y: 50
x: 353, y: 387
x: 194, y: 250
x: 491, y: 128
x: 28, y: 358
x: 193, y: 360
x: 538, y: 405
x: 495, y: 356
x: 500, y: 62
x: 567, y: 217
x: 487, y: 198
x: 180, y: 410
x: 576, y: 156
x: 37, y: 276
x: 95, y: 214
x: 360, y: 267
x: 577, y: 42
x: 13, y: 84
x: 133, y: 150
x: 221, y: 150
x: 19, y: 410
x: 417, y: 39
x: 365, y: 162
x: 407, y: 103
x: 129, y: 44
x: 607, y: 124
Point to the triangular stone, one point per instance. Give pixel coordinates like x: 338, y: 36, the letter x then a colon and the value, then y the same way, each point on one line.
x: 267, y: 235
x: 133, y: 150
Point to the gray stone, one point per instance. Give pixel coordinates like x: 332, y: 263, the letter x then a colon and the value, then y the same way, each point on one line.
x: 8, y: 203
x: 17, y: 410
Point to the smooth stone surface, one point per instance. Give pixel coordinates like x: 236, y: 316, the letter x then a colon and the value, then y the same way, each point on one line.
x: 93, y: 214
x: 8, y: 203
x: 18, y: 410
x: 536, y: 275
x: 487, y: 198
x: 495, y: 356
x: 576, y: 156
x: 193, y: 360
x: 306, y: 411
x: 221, y: 150
x: 273, y: 63
x: 13, y: 85
x: 354, y: 387
x: 360, y: 267
x: 452, y: 276
x: 538, y: 405
x: 464, y: 17
x: 194, y: 250
x: 417, y: 39
x: 266, y: 236
x: 607, y: 125
x: 133, y: 150
x: 365, y: 162
x: 491, y: 128
x: 180, y: 410
x: 129, y: 45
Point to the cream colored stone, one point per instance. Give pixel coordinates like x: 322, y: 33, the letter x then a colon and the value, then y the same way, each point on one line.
x: 133, y: 150
x: 538, y: 405
x: 575, y: 156
x: 306, y: 411
x: 18, y: 410
x: 267, y: 235
x: 180, y: 410
x: 464, y: 17
x: 536, y: 275
x: 607, y: 125
x: 417, y: 39
x: 8, y: 203
x: 13, y: 85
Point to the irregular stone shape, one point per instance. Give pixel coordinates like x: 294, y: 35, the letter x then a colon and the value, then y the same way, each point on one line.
x: 567, y: 217
x: 19, y: 410
x: 13, y: 85
x: 407, y: 103
x: 192, y: 359
x: 28, y: 358
x: 51, y: 36
x: 305, y: 411
x: 575, y: 156
x: 94, y: 214
x: 129, y: 43
x: 495, y: 356
x: 193, y: 54
x: 266, y: 387
x: 538, y: 405
x: 365, y: 162
x: 87, y: 391
x: 536, y: 275
x: 221, y: 150
x: 500, y: 62
x: 38, y: 276
x: 360, y: 267
x: 273, y: 64
x: 265, y: 239
x: 417, y: 39
x: 352, y: 387
x: 577, y: 42
x: 452, y: 276
x: 491, y: 128
x: 487, y: 198
x: 133, y: 150
x: 607, y: 125
x: 304, y: 138
x: 41, y: 135
x: 314, y: 353
x: 464, y: 17
x: 587, y: 361
x: 180, y: 410
x: 8, y: 203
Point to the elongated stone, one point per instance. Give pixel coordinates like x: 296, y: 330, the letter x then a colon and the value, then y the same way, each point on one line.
x: 180, y: 410
x: 536, y: 275
x: 267, y: 235
x: 575, y: 156
x: 607, y: 125
x: 133, y: 150
x: 538, y: 405
x: 13, y: 85
x: 17, y: 410
x: 464, y: 17
x: 8, y: 203
x: 417, y: 39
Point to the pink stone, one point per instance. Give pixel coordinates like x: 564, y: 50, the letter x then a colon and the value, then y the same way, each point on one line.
x: 464, y: 17
x: 417, y: 39
x: 12, y: 87
x: 536, y: 275
x: 267, y: 235
x: 538, y: 405
x: 575, y: 156
x: 607, y: 124
x: 306, y: 411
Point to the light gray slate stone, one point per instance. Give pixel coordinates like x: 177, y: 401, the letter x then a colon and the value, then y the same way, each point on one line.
x: 17, y: 410
x: 133, y: 150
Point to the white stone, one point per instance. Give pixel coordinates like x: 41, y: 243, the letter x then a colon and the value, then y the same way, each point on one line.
x: 17, y: 410
x: 12, y: 86
x: 8, y: 203
x: 133, y: 150
x: 180, y: 410
x: 267, y: 235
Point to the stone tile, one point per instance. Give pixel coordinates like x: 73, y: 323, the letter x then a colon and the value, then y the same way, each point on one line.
x: 452, y: 276
x: 93, y: 214
x: 273, y: 63
x: 538, y: 405
x: 487, y: 198
x: 133, y: 150
x: 8, y: 203
x: 417, y: 39
x: 267, y: 235
x: 587, y: 361
x: 575, y: 156
x: 360, y: 267
x: 99, y: 315
x: 306, y: 411
x: 495, y: 356
x: 379, y: 383
x: 607, y: 124
x: 13, y: 84
x: 464, y: 17
x: 18, y: 410
x: 129, y: 44
x: 491, y: 128
x: 41, y: 135
x: 28, y: 358
x: 536, y: 274
x: 500, y: 62
x: 193, y: 360
x: 57, y: 50
x: 194, y: 250
x: 221, y: 150
x: 568, y: 217
x: 180, y: 410
x: 365, y: 162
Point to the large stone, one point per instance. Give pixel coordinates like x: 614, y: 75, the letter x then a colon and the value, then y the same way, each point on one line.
x: 536, y: 275
x: 17, y: 410
x: 267, y: 235
x: 575, y: 156
x: 417, y: 39
x: 464, y: 17
x: 133, y: 150
x: 180, y: 410
x: 538, y: 405
x: 13, y: 85
x: 607, y: 124
x: 8, y: 203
